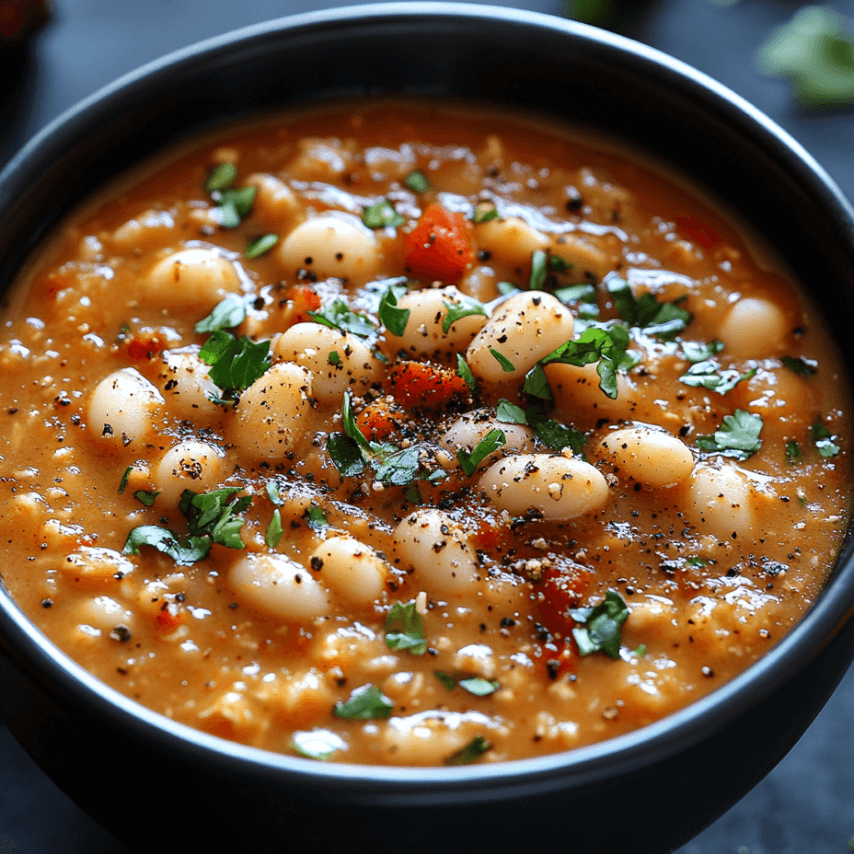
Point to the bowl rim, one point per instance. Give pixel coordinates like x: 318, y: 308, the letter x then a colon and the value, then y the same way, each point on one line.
x: 617, y: 755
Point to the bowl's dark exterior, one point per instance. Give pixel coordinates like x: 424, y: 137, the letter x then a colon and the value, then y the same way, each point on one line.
x: 154, y: 783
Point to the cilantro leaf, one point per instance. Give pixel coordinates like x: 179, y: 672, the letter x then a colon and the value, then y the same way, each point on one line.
x: 793, y: 451
x: 345, y: 454
x: 235, y: 364
x: 220, y: 177
x: 472, y: 751
x: 395, y: 466
x: 317, y: 744
x: 539, y: 268
x: 823, y: 439
x: 185, y: 551
x: 229, y: 313
x: 365, y: 704
x: 316, y: 519
x: 581, y: 297
x: 404, y: 629
x: 537, y: 384
x: 464, y: 371
x: 337, y: 315
x: 124, y: 481
x: 509, y: 413
x: 417, y: 181
x: 484, y: 214
x: 708, y: 374
x: 558, y: 436
x: 506, y: 365
x: 600, y: 629
x: 145, y: 497
x: 273, y: 493
x: 446, y: 679
x: 213, y: 514
x: 479, y: 686
x: 261, y: 246
x: 381, y: 214
x: 738, y: 436
x: 274, y: 530
x: 492, y: 441
x: 700, y: 351
x: 662, y: 320
x: 234, y: 205
x: 463, y: 309
x: 391, y: 316
x: 801, y: 366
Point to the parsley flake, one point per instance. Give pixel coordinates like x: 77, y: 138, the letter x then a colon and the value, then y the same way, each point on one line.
x: 708, y: 374
x: 380, y: 215
x: 404, y: 629
x: 479, y: 686
x: 318, y: 744
x: 235, y: 363
x: 506, y: 365
x: 457, y: 311
x: 391, y: 315
x: 492, y: 441
x: 661, y: 320
x: 337, y: 315
x: 316, y: 519
x: 600, y: 626
x: 227, y: 314
x: 471, y: 752
x: 261, y: 246
x: 365, y: 704
x: 220, y: 177
x: 417, y: 181
x: 823, y: 439
x: 738, y: 437
x: 274, y: 530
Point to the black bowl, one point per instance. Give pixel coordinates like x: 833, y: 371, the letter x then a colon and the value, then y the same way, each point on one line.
x: 153, y: 782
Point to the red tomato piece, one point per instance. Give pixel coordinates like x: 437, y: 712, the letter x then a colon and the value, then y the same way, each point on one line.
x: 376, y: 421
x: 563, y: 589
x: 439, y: 247
x: 417, y: 386
x: 303, y: 300
x: 698, y: 231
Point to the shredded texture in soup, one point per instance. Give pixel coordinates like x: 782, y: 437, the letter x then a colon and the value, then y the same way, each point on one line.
x: 414, y: 436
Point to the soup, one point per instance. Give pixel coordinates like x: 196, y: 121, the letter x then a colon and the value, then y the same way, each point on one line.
x: 412, y: 435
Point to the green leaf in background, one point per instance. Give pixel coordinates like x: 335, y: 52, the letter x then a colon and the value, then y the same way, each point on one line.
x: 815, y: 50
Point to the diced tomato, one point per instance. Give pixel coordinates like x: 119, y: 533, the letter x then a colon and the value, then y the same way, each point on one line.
x: 417, y: 386
x: 698, y: 231
x: 563, y: 589
x: 439, y: 247
x: 376, y: 421
x: 145, y: 344
x: 302, y: 300
x: 170, y: 616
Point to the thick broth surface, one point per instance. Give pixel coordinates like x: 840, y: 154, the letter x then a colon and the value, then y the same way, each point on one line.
x: 498, y: 444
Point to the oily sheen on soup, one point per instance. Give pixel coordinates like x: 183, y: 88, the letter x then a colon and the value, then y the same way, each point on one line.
x: 406, y: 435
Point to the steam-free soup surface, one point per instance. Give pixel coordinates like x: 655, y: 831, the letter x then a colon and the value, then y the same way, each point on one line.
x: 414, y: 436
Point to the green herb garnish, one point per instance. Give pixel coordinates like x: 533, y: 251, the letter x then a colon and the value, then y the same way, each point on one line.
x: 337, y: 315
x: 506, y: 365
x: 539, y: 267
x: 220, y: 177
x: 235, y: 205
x: 124, y: 481
x: 509, y: 413
x: 710, y: 375
x: 261, y: 246
x: 382, y: 214
x: 700, y: 351
x: 391, y: 315
x: 823, y: 439
x: 492, y: 441
x: 274, y: 530
x: 801, y: 366
x: 479, y: 686
x: 661, y: 320
x: 316, y: 519
x: 227, y: 314
x: 460, y: 310
x: 471, y: 752
x: 404, y: 629
x: 464, y: 371
x: 738, y: 437
x: 145, y: 497
x: 417, y: 181
x: 317, y: 744
x: 484, y: 214
x: 600, y: 626
x: 365, y: 704
x: 235, y: 364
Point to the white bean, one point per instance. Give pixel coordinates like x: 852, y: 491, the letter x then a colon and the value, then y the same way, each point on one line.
x: 653, y: 457
x: 188, y: 465
x: 123, y: 408
x: 351, y: 569
x: 557, y: 487
x: 754, y: 327
x: 331, y: 244
x: 273, y: 412
x: 311, y: 345
x: 275, y: 202
x: 184, y: 382
x: 721, y: 502
x: 96, y: 565
x: 511, y: 239
x: 527, y: 327
x: 196, y: 277
x: 580, y: 399
x: 104, y: 613
x: 438, y: 549
x: 279, y: 587
x: 424, y: 335
x: 469, y: 429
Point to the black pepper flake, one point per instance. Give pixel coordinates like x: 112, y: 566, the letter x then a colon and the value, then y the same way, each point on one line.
x: 317, y: 563
x: 47, y: 603
x: 120, y: 634
x: 708, y: 672
x: 232, y: 605
x: 553, y: 667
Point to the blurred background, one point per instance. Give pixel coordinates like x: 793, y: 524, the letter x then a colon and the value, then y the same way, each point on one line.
x: 794, y: 61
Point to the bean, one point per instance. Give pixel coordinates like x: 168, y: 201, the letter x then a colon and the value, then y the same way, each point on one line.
x: 351, y: 569
x: 188, y: 465
x: 754, y: 327
x: 648, y: 456
x: 123, y: 407
x: 197, y: 278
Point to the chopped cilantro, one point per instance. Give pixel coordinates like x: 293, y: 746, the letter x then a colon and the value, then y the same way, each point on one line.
x: 404, y: 629
x: 220, y: 177
x: 145, y: 497
x: 662, y: 320
x: 600, y: 626
x: 334, y: 358
x: 793, y: 451
x: 365, y: 704
x: 558, y: 436
x: 472, y: 751
x: 464, y: 371
x: 273, y: 493
x: 185, y: 551
x: 506, y: 365
x: 492, y: 441
x: 539, y: 268
x: 505, y: 288
x: 227, y: 314
x: 261, y: 246
x: 537, y: 384
x: 274, y: 530
x: 484, y: 214
x: 509, y: 413
x: 235, y: 364
x: 446, y: 679
x: 479, y: 686
x: 316, y: 519
x: 317, y: 744
x: 804, y: 367
x: 391, y: 316
x: 337, y: 315
x: 464, y: 309
x: 235, y: 205
x: 823, y: 440
x: 709, y: 374
x: 700, y: 351
x: 382, y: 214
x: 417, y: 181
x: 124, y: 481
x: 738, y: 436
x: 581, y: 297
x: 395, y: 466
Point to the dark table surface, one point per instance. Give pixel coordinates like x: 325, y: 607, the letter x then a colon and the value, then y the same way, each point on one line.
x: 806, y: 805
